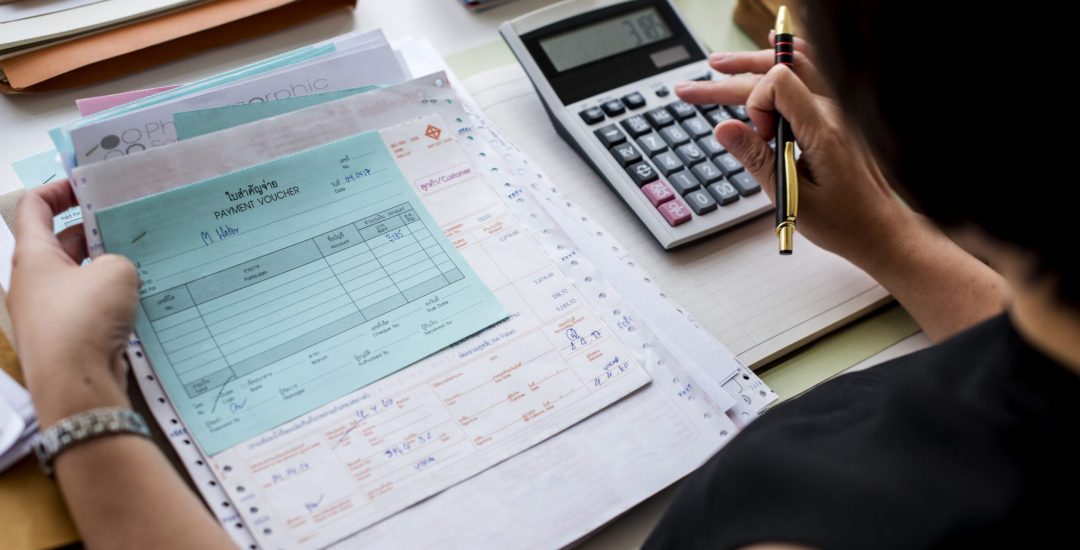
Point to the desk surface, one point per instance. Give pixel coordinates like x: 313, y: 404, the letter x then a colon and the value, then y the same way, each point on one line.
x: 471, y: 44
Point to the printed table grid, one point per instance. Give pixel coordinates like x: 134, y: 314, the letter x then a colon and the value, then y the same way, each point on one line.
x: 236, y: 321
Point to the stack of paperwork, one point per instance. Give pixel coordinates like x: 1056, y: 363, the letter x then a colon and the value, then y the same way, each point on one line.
x: 368, y: 317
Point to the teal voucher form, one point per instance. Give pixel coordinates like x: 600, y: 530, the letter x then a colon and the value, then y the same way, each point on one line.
x: 273, y: 290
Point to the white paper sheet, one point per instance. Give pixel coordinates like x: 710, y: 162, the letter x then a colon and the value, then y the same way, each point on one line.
x: 18, y: 422
x: 759, y: 304
x: 25, y: 9
x: 77, y: 19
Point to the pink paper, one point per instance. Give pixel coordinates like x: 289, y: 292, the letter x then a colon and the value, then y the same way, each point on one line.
x: 90, y: 105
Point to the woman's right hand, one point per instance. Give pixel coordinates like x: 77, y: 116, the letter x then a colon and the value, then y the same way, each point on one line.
x: 845, y: 204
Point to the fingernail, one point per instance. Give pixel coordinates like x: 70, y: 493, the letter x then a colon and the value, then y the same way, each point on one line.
x: 718, y: 57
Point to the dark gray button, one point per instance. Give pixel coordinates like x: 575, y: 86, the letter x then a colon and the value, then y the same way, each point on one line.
x: 690, y: 154
x: 626, y: 154
x: 642, y: 173
x: 723, y: 192
x: 610, y: 135
x: 659, y: 117
x: 707, y: 172
x: 634, y: 100
x: 738, y: 111
x: 668, y: 163
x: 681, y: 110
x: 636, y: 125
x: 701, y: 202
x: 718, y: 116
x: 710, y: 146
x: 728, y: 163
x: 662, y: 91
x: 651, y: 144
x: 674, y: 135
x: 592, y: 115
x: 745, y: 183
x: 706, y: 107
x: 697, y: 127
x: 614, y: 107
x: 683, y: 182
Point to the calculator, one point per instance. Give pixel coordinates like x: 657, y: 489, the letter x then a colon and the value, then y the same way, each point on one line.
x: 605, y: 71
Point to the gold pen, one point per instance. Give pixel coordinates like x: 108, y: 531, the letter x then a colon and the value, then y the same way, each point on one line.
x: 787, y: 181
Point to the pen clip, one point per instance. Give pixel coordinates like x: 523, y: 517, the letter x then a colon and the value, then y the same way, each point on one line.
x: 791, y: 182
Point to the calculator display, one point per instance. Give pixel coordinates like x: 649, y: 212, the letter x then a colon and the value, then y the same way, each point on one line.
x: 604, y: 39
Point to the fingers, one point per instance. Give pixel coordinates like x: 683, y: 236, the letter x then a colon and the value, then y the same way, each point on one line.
x: 751, y: 150
x: 73, y: 241
x: 730, y: 91
x: 118, y: 268
x: 759, y: 62
x: 36, y: 208
x: 781, y: 91
x: 34, y: 238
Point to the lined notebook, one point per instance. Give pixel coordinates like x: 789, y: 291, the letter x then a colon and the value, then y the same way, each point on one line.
x: 759, y: 304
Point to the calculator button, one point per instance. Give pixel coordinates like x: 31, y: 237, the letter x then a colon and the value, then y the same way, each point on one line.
x: 690, y: 154
x: 681, y: 110
x: 684, y: 182
x: 659, y: 117
x: 662, y: 91
x: 642, y: 173
x: 658, y: 192
x: 745, y: 183
x: 718, y: 116
x: 614, y: 107
x: 675, y: 212
x: 626, y: 154
x: 610, y: 135
x: 706, y: 76
x: 674, y: 135
x: 697, y: 127
x: 723, y: 192
x: 706, y: 107
x: 728, y: 163
x: 710, y: 146
x: 634, y: 100
x: 738, y: 111
x: 592, y: 115
x: 707, y: 172
x: 701, y: 202
x: 636, y: 125
x: 668, y: 163
x: 651, y: 144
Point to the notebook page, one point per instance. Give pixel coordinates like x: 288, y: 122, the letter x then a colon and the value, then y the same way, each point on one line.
x: 735, y: 285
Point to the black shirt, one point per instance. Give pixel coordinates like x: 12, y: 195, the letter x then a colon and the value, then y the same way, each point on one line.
x: 972, y: 442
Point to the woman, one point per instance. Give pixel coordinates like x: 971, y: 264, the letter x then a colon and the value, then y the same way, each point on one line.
x: 966, y: 442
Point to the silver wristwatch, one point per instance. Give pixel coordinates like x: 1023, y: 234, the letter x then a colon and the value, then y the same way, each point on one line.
x: 83, y: 427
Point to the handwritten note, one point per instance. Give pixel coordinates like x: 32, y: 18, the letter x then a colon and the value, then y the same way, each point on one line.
x: 270, y: 291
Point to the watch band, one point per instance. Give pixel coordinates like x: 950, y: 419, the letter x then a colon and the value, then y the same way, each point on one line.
x: 83, y: 427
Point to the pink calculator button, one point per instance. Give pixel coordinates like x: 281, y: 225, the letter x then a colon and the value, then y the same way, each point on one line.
x: 675, y: 212
x: 658, y: 192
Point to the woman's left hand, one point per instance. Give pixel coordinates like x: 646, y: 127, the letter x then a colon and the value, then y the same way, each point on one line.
x: 71, y: 323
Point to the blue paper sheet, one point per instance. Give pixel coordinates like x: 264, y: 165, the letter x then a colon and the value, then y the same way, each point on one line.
x: 273, y: 290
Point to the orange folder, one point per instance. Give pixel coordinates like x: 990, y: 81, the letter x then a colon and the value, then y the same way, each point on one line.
x: 149, y: 42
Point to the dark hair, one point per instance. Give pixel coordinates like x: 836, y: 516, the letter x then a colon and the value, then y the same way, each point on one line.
x: 946, y: 111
